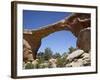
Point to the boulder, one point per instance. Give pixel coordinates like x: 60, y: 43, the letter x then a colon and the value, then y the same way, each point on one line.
x: 83, y: 59
x: 75, y: 63
x: 86, y: 59
x: 74, y: 54
x: 87, y: 62
x: 52, y: 63
x: 86, y: 55
x: 68, y: 65
x: 35, y: 62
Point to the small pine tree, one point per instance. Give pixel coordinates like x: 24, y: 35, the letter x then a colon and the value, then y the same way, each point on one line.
x: 47, y: 54
x: 60, y: 62
x: 71, y: 49
x: 56, y: 55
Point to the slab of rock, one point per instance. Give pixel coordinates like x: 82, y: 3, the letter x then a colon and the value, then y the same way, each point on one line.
x: 75, y: 63
x: 86, y: 59
x: 87, y: 62
x: 68, y: 65
x: 35, y: 62
x: 52, y: 63
x: 75, y: 54
x: 86, y: 56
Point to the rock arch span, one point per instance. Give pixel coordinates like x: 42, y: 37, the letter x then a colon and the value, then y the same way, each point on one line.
x: 76, y: 23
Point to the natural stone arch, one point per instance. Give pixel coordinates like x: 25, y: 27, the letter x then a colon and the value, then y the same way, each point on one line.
x: 74, y: 23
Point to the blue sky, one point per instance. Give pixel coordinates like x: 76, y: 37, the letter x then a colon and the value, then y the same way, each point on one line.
x: 59, y: 41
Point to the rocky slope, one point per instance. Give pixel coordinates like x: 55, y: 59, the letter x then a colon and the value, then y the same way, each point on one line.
x: 78, y: 58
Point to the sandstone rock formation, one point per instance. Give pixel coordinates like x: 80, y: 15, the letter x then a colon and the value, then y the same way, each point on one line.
x: 75, y: 63
x: 84, y: 59
x: 27, y: 52
x: 84, y: 39
x: 74, y: 23
x: 74, y: 55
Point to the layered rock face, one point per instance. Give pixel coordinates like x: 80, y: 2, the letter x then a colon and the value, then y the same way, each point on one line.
x: 27, y: 52
x: 77, y: 23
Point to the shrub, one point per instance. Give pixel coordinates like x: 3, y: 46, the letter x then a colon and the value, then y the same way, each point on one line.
x: 29, y: 66
x: 60, y: 62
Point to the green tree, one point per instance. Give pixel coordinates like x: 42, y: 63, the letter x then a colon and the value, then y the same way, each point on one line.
x: 40, y: 56
x: 71, y: 49
x: 60, y: 62
x: 47, y: 54
x: 29, y: 66
x: 56, y: 55
x: 65, y: 54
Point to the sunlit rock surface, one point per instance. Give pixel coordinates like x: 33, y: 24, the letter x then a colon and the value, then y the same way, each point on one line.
x: 83, y: 59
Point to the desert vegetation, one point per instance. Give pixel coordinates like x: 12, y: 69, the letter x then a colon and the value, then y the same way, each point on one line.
x: 48, y: 59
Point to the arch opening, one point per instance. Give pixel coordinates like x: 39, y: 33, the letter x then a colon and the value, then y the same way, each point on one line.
x: 58, y: 42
